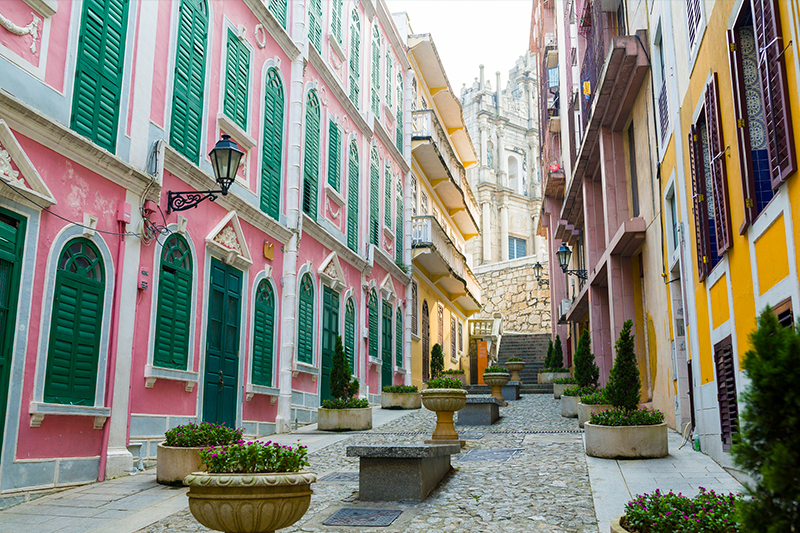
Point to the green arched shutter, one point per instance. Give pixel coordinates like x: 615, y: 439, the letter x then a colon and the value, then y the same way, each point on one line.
x: 237, y: 76
x: 352, y: 198
x: 374, y: 198
x: 400, y: 104
x: 376, y: 71
x: 355, y: 61
x: 350, y: 333
x: 386, y: 333
x: 98, y: 71
x: 387, y: 197
x: 278, y: 8
x: 263, y: 334
x: 186, y: 123
x: 173, y: 310
x: 336, y: 20
x: 388, y: 79
x: 311, y: 160
x: 398, y: 338
x: 334, y: 155
x: 315, y: 24
x: 305, y: 322
x: 372, y: 307
x: 272, y: 146
x: 76, y: 324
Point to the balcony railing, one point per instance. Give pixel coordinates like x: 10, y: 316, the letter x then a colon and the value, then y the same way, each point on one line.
x: 426, y: 230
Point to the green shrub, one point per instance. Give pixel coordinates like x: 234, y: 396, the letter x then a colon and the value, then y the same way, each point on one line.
x: 623, y: 387
x: 558, y: 356
x: 548, y: 361
x: 453, y: 371
x: 586, y: 371
x: 514, y: 360
x: 342, y: 385
x: 563, y: 370
x: 445, y: 383
x: 254, y: 457
x: 494, y: 369
x: 768, y: 443
x: 565, y: 381
x: 346, y: 403
x: 400, y: 389
x: 437, y: 360
x: 202, y: 434
x: 578, y: 391
x: 619, y: 416
x: 595, y: 398
x: 708, y: 512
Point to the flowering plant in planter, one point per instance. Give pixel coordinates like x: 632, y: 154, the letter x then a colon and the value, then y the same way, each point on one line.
x: 495, y: 369
x: 565, y: 381
x: 254, y: 457
x: 453, y: 371
x: 400, y: 389
x: 595, y: 398
x: 579, y: 391
x: 619, y: 416
x: 513, y: 359
x: 202, y: 434
x: 669, y: 513
x: 445, y: 383
x: 346, y: 403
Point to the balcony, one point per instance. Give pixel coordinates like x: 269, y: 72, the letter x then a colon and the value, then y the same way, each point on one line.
x: 441, y: 261
x: 432, y: 150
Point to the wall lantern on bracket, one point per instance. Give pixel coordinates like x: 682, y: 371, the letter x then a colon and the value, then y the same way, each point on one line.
x: 564, y: 254
x: 537, y: 271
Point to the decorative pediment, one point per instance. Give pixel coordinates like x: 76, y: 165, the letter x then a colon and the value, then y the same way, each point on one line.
x: 227, y: 241
x: 17, y: 170
x: 387, y: 288
x: 331, y: 273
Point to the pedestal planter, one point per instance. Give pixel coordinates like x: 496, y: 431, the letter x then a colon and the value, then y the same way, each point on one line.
x: 401, y: 400
x: 629, y: 442
x: 496, y: 380
x: 444, y: 402
x: 569, y: 406
x: 549, y: 377
x: 615, y: 527
x: 175, y: 463
x: 249, y: 503
x: 559, y: 388
x: 515, y: 367
x: 585, y: 411
x: 344, y: 419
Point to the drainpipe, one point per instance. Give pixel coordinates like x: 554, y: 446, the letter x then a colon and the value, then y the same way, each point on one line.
x: 407, y: 229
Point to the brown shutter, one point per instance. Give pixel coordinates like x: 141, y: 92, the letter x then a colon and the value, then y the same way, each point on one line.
x: 699, y: 201
x: 772, y: 68
x: 742, y: 129
x: 726, y: 392
x: 719, y: 173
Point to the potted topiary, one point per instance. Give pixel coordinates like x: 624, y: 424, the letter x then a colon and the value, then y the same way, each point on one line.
x: 515, y: 365
x: 456, y: 374
x: 343, y: 412
x: 591, y: 403
x: 586, y: 376
x: 401, y: 397
x: 250, y: 487
x: 553, y: 364
x: 437, y: 360
x: 668, y: 512
x: 496, y: 377
x: 444, y: 396
x: 562, y: 384
x: 625, y: 431
x: 179, y: 454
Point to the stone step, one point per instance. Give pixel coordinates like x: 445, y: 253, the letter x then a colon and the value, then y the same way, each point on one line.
x: 536, y: 388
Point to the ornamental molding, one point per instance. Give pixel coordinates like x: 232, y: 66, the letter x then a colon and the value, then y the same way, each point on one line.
x: 331, y: 273
x: 227, y: 241
x: 25, y: 179
x: 31, y: 29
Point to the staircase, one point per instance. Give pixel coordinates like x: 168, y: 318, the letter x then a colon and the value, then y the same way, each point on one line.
x: 531, y: 348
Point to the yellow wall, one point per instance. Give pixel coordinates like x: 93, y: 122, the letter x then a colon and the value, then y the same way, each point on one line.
x: 720, y: 309
x: 772, y: 256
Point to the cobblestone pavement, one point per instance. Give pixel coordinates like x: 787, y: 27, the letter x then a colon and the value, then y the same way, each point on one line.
x: 542, y: 488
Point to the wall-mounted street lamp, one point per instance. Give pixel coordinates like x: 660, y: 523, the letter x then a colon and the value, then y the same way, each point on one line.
x: 225, y: 158
x: 564, y: 254
x: 537, y: 271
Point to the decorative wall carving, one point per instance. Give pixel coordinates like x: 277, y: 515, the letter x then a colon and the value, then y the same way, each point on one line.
x: 31, y: 29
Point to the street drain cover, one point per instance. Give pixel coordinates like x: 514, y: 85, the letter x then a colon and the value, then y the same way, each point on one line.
x: 492, y: 456
x: 363, y: 517
x: 340, y: 477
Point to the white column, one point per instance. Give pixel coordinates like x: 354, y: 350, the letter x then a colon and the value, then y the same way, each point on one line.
x: 504, y: 232
x: 502, y: 178
x: 486, y: 232
x: 482, y: 127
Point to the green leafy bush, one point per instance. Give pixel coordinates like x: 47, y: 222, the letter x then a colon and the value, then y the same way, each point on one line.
x: 565, y: 381
x: 768, y: 443
x: 343, y: 386
x: 445, y: 383
x: 495, y: 368
x: 514, y: 360
x: 203, y: 434
x: 437, y: 360
x: 254, y: 457
x: 558, y: 356
x: 578, y: 391
x: 619, y: 416
x: 453, y: 371
x: 400, y: 389
x: 563, y: 370
x: 623, y: 387
x: 708, y: 512
x: 346, y: 403
x: 586, y: 371
x: 595, y: 398
x: 548, y: 361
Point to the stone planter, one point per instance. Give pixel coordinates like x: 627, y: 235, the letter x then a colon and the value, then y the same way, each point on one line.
x: 344, y: 419
x: 444, y: 402
x: 401, y: 400
x: 569, y: 406
x: 249, y: 503
x: 585, y: 411
x: 175, y: 463
x: 462, y: 377
x: 559, y: 388
x: 615, y: 527
x: 549, y: 377
x: 629, y: 442
x: 496, y: 380
x: 515, y: 367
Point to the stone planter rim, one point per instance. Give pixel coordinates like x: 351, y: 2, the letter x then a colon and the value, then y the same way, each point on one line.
x: 345, y: 409
x: 226, y: 479
x: 639, y: 426
x: 430, y: 392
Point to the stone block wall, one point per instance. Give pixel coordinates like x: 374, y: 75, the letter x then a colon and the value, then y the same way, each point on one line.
x: 510, y: 288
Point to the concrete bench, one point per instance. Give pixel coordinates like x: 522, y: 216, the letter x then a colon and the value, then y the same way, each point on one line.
x: 136, y: 450
x: 511, y: 391
x: 397, y: 473
x: 479, y: 411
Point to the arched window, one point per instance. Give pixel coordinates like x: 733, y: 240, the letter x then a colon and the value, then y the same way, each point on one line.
x: 350, y: 332
x: 372, y: 307
x: 315, y: 23
x: 311, y: 162
x: 426, y: 341
x: 278, y: 8
x: 352, y: 197
x: 355, y: 61
x: 376, y: 70
x: 75, y: 331
x: 272, y: 146
x: 305, y: 321
x: 336, y: 20
x: 374, y: 197
x: 173, y: 310
x: 263, y: 334
x: 389, y: 78
x: 398, y: 337
x: 186, y: 123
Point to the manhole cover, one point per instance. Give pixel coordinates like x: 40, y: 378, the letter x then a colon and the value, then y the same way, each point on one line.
x: 491, y: 456
x: 341, y: 477
x: 471, y: 436
x: 362, y: 517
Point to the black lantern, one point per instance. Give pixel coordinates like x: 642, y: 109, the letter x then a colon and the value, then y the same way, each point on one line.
x: 564, y: 254
x: 225, y: 159
x: 537, y: 271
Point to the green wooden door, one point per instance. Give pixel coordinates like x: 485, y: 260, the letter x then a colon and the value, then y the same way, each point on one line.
x: 222, y: 346
x: 330, y: 330
x: 386, y: 344
x: 12, y: 238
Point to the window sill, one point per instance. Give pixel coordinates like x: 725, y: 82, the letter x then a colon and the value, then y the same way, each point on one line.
x: 335, y: 46
x: 242, y: 138
x: 334, y: 195
x: 252, y: 390
x: 306, y: 369
x: 152, y: 373
x: 374, y: 361
x: 415, y: 337
x: 38, y: 410
x: 388, y: 233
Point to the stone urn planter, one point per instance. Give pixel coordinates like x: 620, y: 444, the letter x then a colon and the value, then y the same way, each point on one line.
x: 629, y: 442
x: 344, y: 419
x: 249, y: 503
x: 585, y: 411
x: 615, y: 527
x: 549, y: 377
x: 559, y: 388
x: 175, y: 463
x: 569, y: 406
x: 401, y: 400
x: 496, y: 380
x: 444, y: 402
x: 515, y: 367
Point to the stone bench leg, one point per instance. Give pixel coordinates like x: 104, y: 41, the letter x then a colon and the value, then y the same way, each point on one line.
x: 390, y: 479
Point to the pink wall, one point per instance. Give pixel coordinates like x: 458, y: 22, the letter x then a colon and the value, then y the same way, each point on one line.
x: 159, y: 91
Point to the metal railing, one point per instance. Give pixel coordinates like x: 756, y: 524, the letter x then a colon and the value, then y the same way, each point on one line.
x: 426, y: 230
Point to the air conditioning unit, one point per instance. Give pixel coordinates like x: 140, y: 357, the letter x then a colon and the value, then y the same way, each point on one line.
x: 563, y: 309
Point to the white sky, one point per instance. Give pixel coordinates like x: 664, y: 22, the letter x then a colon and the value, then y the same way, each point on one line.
x: 468, y: 33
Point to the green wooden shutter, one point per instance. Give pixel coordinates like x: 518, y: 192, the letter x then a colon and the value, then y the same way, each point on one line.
x: 272, y: 146
x: 388, y: 79
x: 334, y: 155
x: 336, y: 20
x: 386, y: 332
x: 372, y: 306
x: 173, y: 310
x: 398, y: 340
x: 398, y: 229
x: 75, y: 327
x: 400, y: 103
x: 315, y: 24
x: 374, y: 198
x: 352, y: 198
x: 350, y: 333
x: 186, y: 123
x: 387, y: 197
x: 355, y: 61
x: 305, y: 322
x: 98, y: 71
x: 237, y: 74
x: 376, y: 71
x: 278, y: 8
x: 263, y: 334
x: 311, y: 160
